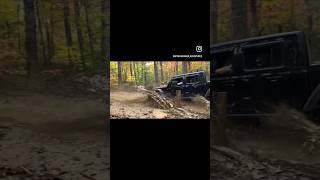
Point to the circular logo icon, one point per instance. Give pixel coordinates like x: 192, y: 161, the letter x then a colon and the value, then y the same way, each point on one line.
x: 199, y: 48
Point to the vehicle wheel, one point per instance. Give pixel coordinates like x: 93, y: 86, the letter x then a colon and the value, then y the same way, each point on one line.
x: 207, y: 95
x: 159, y: 91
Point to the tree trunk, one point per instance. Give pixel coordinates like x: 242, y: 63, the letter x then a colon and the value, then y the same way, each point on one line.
x: 293, y: 18
x: 8, y: 30
x: 131, y: 71
x: 124, y: 72
x: 177, y: 68
x: 135, y: 72
x: 255, y: 16
x: 79, y: 32
x: 156, y: 77
x: 119, y: 73
x: 18, y: 26
x: 144, y: 71
x: 31, y: 39
x: 239, y: 19
x: 48, y: 40
x: 161, y: 72
x: 67, y: 28
x: 41, y: 34
x: 184, y: 67
x: 214, y: 21
x: 90, y: 34
x: 104, y: 36
x: 310, y: 24
x: 52, y: 32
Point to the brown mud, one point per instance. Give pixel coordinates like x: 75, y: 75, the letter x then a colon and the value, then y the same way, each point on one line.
x: 285, y: 146
x: 132, y: 104
x: 52, y: 133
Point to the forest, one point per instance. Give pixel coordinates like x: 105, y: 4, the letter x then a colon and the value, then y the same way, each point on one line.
x: 236, y: 19
x: 151, y: 73
x: 45, y: 34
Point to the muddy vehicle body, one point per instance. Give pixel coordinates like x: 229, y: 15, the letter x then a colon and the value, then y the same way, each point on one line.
x: 259, y: 73
x: 190, y: 84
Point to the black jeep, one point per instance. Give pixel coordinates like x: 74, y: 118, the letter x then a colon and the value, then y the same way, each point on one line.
x: 258, y: 73
x: 190, y: 84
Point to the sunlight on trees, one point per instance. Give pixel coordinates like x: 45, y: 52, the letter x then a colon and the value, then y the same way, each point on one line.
x: 145, y: 72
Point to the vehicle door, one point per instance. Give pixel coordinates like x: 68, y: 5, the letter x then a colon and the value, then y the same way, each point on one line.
x: 265, y: 79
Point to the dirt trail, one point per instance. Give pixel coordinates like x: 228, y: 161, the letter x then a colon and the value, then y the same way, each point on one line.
x: 284, y: 144
x: 228, y: 164
x: 289, y: 135
x: 133, y: 104
x: 63, y: 136
x: 275, y: 150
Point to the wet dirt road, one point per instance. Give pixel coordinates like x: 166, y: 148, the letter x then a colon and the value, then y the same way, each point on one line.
x: 62, y: 136
x: 135, y: 105
x: 275, y: 150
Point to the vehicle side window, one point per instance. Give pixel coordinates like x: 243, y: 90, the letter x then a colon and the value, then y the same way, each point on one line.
x: 263, y: 57
x: 314, y: 52
x: 292, y: 54
x: 192, y: 79
x: 223, y: 62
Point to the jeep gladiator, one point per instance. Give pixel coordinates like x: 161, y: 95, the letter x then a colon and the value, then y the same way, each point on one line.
x: 190, y: 84
x: 259, y: 73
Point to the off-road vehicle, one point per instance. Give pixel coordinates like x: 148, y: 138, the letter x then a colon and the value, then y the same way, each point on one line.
x: 190, y: 84
x: 258, y: 73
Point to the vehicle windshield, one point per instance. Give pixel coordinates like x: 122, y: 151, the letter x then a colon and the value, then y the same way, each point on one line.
x: 175, y: 81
